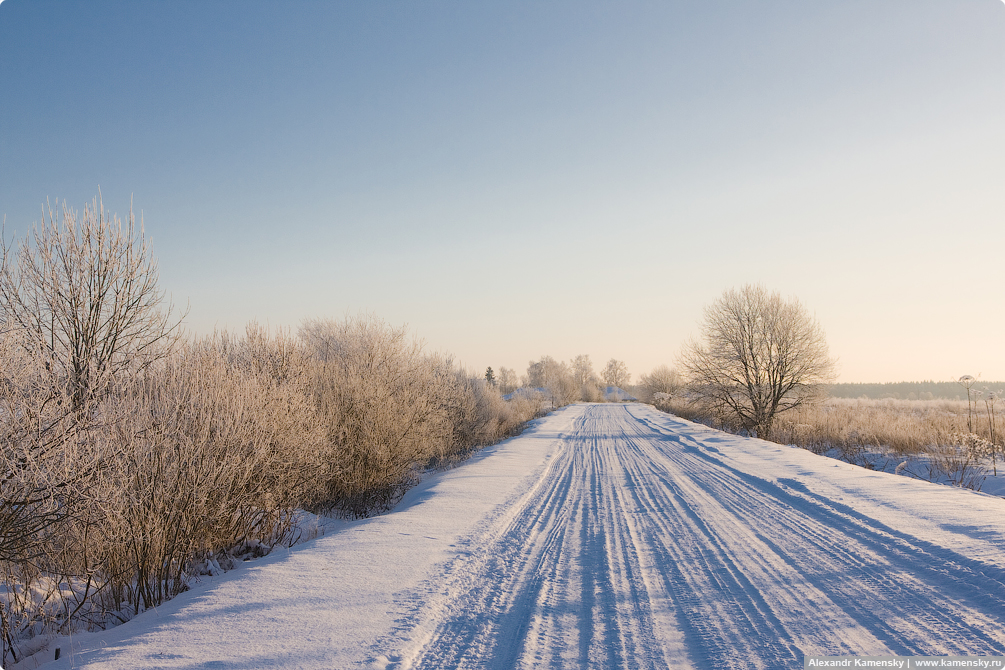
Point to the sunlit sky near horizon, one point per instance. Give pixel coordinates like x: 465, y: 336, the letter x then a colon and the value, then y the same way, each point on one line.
x: 514, y: 179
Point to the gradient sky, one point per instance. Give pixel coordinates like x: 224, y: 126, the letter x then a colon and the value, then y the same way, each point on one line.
x: 514, y: 179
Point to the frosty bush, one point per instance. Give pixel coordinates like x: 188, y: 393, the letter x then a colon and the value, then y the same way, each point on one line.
x: 208, y: 454
x: 212, y: 452
x: 960, y: 461
x: 377, y: 396
x: 661, y: 384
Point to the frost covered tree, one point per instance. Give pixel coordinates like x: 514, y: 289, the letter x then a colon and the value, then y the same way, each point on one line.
x: 80, y: 314
x: 82, y: 290
x: 555, y: 378
x: 79, y: 307
x: 758, y: 355
x: 490, y: 376
x: 582, y: 370
x: 616, y: 373
x: 507, y: 380
x: 585, y: 377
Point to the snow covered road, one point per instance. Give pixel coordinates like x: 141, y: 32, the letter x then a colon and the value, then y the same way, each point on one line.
x: 609, y: 536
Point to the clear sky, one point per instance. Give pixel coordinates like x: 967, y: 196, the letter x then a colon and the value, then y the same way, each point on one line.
x: 514, y: 179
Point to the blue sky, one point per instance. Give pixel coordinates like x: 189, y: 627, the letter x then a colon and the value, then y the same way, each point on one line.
x: 518, y: 179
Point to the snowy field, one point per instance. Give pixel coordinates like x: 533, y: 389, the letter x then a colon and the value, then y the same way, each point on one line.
x: 606, y: 536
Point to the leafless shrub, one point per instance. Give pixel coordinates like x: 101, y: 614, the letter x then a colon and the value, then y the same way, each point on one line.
x: 958, y: 461
x: 479, y: 415
x: 388, y: 409
x: 660, y: 385
x: 927, y: 438
x: 900, y: 427
x: 963, y: 460
x: 211, y: 454
x: 370, y: 383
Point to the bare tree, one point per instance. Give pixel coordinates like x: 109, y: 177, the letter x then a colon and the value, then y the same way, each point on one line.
x: 758, y: 355
x: 586, y: 378
x: 582, y: 370
x: 83, y: 288
x: 507, y: 380
x: 616, y: 373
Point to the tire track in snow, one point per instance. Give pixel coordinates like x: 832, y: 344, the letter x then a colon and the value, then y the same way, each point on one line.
x: 907, y: 603
x: 561, y: 586
x: 912, y: 596
x: 639, y: 549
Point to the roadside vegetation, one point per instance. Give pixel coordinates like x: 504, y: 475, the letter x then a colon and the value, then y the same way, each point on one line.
x: 558, y: 383
x: 760, y: 367
x: 134, y: 458
x: 930, y: 437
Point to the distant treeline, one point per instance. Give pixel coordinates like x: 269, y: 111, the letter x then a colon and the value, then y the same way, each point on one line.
x: 925, y: 390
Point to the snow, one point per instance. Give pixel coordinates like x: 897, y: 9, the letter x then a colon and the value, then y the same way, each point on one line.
x: 987, y: 479
x: 617, y: 394
x: 607, y: 535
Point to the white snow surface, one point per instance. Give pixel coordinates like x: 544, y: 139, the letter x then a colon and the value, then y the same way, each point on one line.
x: 617, y: 394
x: 606, y: 536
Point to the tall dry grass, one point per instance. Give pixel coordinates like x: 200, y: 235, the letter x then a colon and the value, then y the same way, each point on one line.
x: 953, y: 441
x: 903, y: 427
